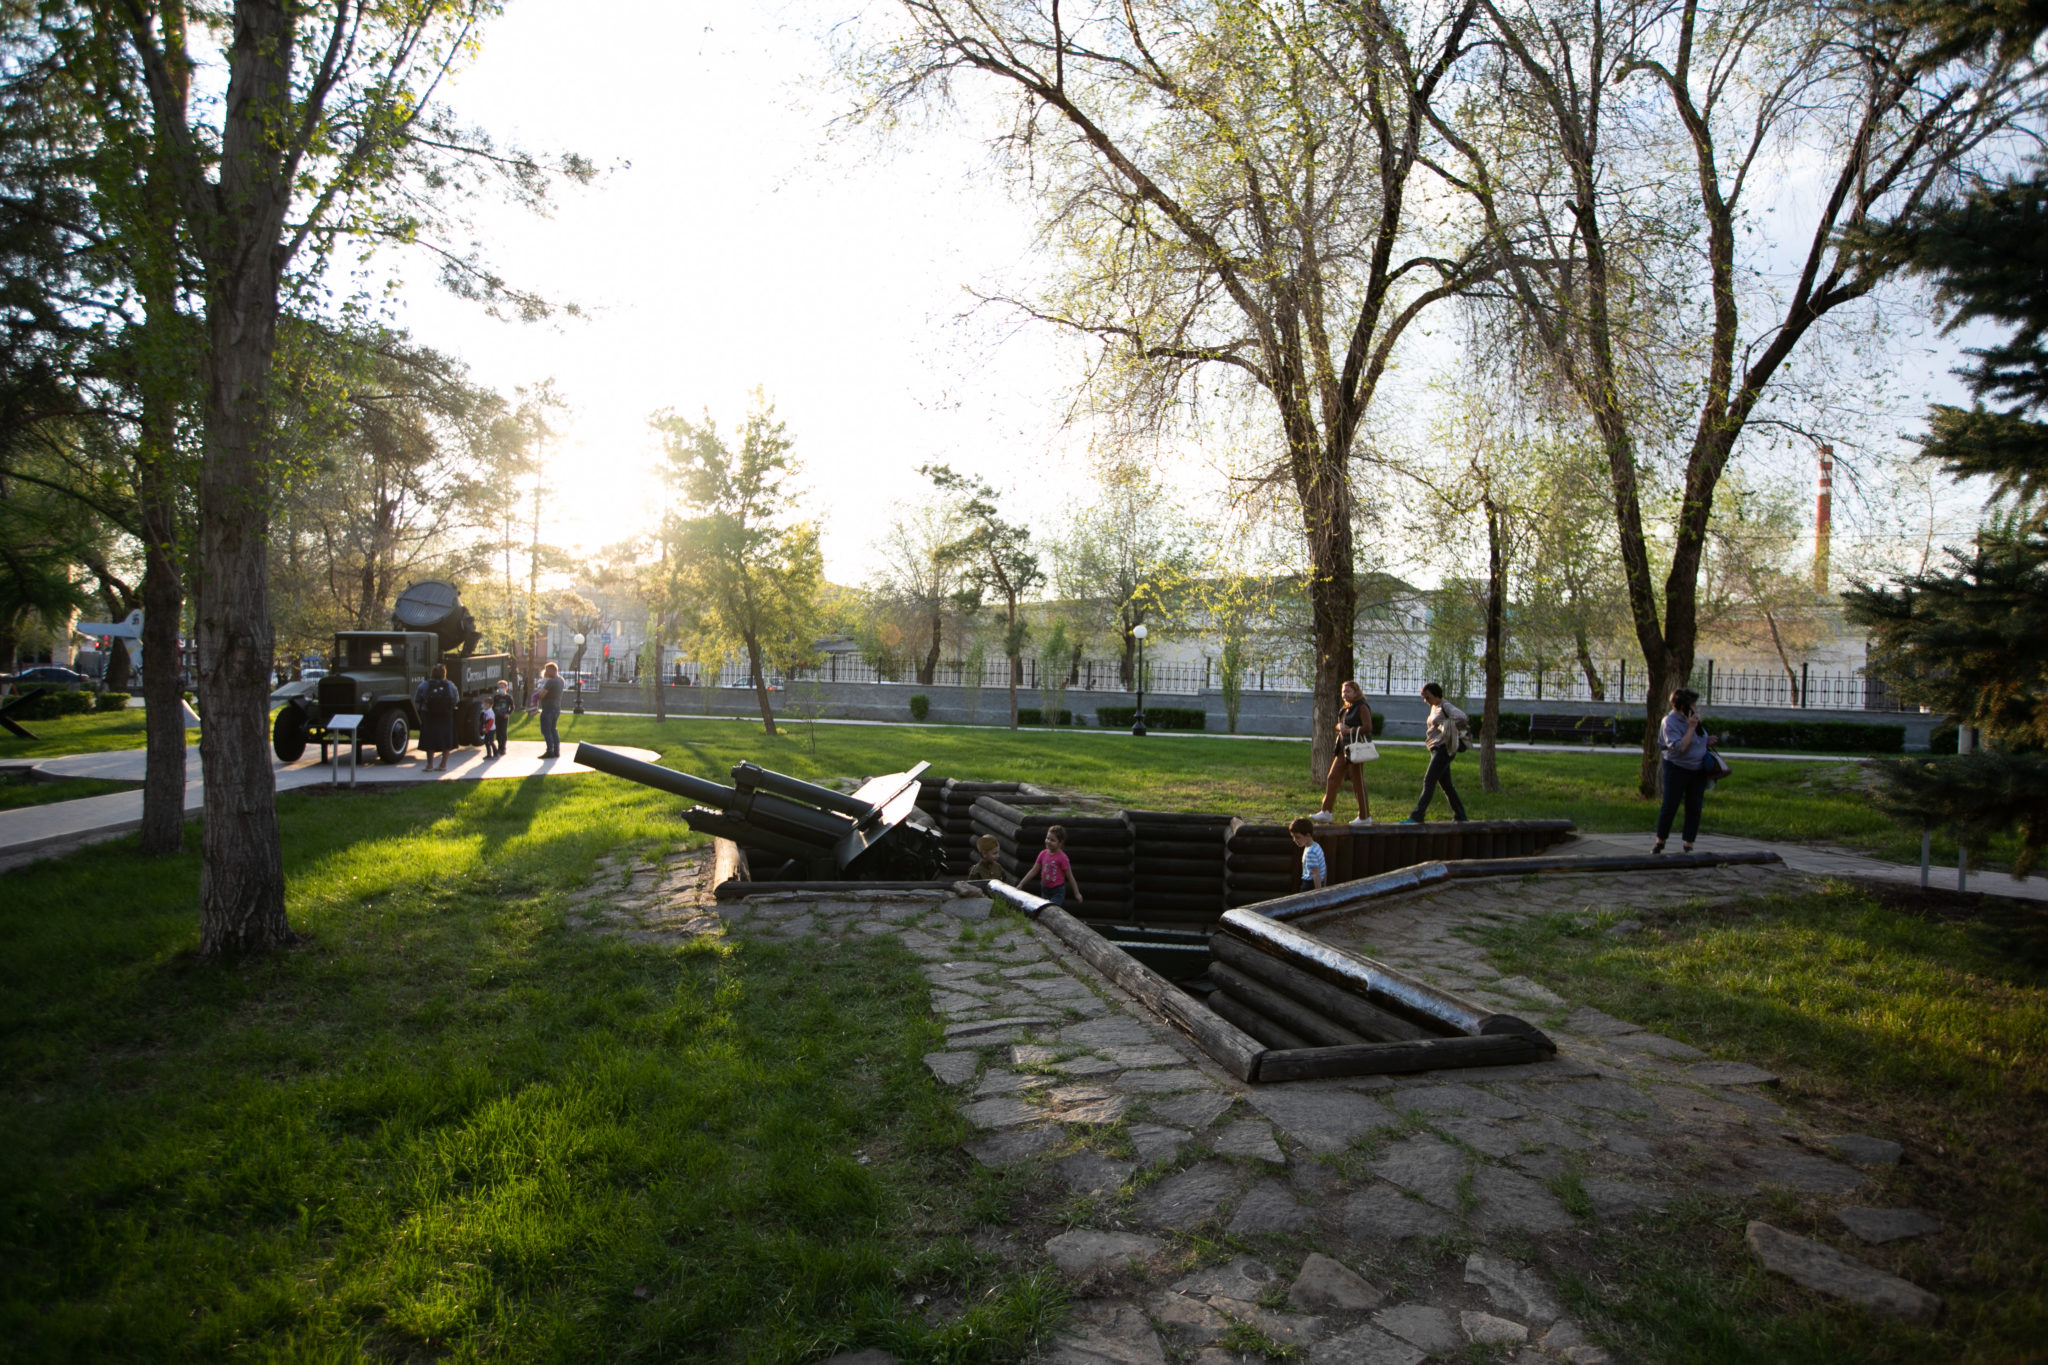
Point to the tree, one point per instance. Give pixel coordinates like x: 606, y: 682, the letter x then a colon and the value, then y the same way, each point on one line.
x: 1229, y: 191
x: 748, y: 571
x: 995, y: 555
x: 1121, y: 554
x: 583, y: 618
x: 923, y: 583
x: 1616, y: 149
x: 1756, y: 589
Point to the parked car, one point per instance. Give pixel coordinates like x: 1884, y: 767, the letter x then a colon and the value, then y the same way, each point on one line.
x: 50, y: 675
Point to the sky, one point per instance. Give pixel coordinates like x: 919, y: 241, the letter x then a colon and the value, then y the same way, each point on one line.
x: 740, y: 238
x: 734, y: 241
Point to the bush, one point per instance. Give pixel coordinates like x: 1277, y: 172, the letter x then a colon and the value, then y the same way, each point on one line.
x: 920, y: 706
x: 1032, y: 715
x: 112, y: 701
x: 48, y: 703
x: 1156, y: 717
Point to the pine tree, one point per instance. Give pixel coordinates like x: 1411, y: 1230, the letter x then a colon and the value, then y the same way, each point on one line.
x: 1971, y: 639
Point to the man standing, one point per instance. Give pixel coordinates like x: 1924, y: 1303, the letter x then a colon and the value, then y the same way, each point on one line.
x: 551, y: 710
x: 1444, y: 736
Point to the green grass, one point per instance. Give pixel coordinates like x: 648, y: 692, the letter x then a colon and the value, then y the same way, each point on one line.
x: 79, y: 735
x: 451, y: 1126
x: 16, y: 790
x: 1919, y: 1018
x: 1821, y: 800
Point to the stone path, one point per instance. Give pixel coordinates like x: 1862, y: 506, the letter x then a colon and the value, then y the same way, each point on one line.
x: 1371, y: 1221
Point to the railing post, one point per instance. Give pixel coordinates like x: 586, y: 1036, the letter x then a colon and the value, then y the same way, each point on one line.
x: 1804, y: 686
x: 1926, y: 855
x: 1390, y: 675
x: 1710, y: 682
x: 1539, y: 680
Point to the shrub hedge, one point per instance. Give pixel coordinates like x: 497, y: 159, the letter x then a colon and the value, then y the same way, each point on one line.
x: 111, y: 701
x: 1034, y: 715
x: 1809, y: 736
x: 920, y: 706
x: 48, y: 703
x: 1156, y: 717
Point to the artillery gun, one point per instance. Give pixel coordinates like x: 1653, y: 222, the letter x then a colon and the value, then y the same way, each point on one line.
x: 815, y: 833
x: 374, y: 674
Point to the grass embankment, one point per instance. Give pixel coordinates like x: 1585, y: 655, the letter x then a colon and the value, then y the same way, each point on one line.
x: 16, y: 790
x: 1886, y: 1011
x: 448, y: 1125
x: 90, y: 734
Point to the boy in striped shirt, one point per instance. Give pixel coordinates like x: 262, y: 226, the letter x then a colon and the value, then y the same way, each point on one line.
x: 1314, y: 867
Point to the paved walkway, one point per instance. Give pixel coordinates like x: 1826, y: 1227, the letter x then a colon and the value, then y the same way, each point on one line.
x: 33, y: 832
x: 1822, y: 860
x: 1193, y: 1215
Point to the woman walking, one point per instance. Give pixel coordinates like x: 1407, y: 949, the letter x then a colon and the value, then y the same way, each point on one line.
x: 1354, y: 726
x: 1442, y: 735
x: 1685, y: 743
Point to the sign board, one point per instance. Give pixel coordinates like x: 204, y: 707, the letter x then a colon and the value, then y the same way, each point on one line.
x: 350, y: 723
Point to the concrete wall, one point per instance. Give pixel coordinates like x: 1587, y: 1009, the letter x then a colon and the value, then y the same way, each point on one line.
x: 1263, y: 713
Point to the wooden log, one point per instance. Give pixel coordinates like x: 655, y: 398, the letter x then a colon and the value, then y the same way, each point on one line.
x: 1180, y: 818
x: 1377, y: 1059
x: 1249, y: 1021
x: 1343, y: 895
x: 1237, y: 1051
x: 1387, y: 987
x: 1263, y: 862
x: 1291, y: 1015
x: 1354, y: 1011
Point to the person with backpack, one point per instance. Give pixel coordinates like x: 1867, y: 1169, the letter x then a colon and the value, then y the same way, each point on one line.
x: 500, y: 707
x: 436, y: 701
x: 1444, y: 736
x: 1689, y: 767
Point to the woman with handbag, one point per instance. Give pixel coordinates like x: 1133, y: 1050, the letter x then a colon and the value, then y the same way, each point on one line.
x: 1689, y: 767
x: 1355, y: 749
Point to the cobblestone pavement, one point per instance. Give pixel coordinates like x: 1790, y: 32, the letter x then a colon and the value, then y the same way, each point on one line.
x: 1370, y: 1221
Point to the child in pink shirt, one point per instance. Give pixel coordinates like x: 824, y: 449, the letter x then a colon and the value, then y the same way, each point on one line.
x: 1053, y: 869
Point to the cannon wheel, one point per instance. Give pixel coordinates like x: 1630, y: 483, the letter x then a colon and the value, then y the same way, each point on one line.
x: 288, y: 735
x: 393, y: 735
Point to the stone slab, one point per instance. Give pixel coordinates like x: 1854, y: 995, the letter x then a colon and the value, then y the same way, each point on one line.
x: 1085, y: 1251
x: 1142, y: 1054
x: 1864, y: 1150
x: 1424, y: 1325
x: 1249, y: 1138
x: 1512, y: 1288
x: 1187, y: 1199
x: 1268, y: 1210
x: 952, y: 1068
x: 1018, y: 1144
x: 1801, y: 1170
x: 1155, y: 1142
x: 1886, y: 1225
x: 1327, y: 1285
x: 1111, y: 1031
x: 1091, y: 1173
x: 1005, y: 1111
x: 1322, y: 1120
x: 1241, y: 1277
x: 1484, y: 1329
x: 1425, y: 1166
x: 1161, y: 1082
x: 1511, y: 1202
x: 986, y: 1031
x: 1106, y: 1333
x: 1384, y: 1214
x: 1194, y: 1111
x: 1465, y: 1100
x: 1729, y: 1073
x: 1481, y: 1135
x: 1614, y: 1198
x: 1365, y: 1345
x: 1657, y: 1045
x: 1825, y: 1270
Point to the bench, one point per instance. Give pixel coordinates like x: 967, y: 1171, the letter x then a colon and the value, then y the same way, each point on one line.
x: 1572, y: 727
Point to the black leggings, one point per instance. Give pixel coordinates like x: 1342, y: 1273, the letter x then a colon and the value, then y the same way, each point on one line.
x: 1439, y: 775
x: 1682, y: 784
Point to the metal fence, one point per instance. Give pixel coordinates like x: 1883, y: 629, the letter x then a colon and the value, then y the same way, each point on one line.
x: 1621, y: 681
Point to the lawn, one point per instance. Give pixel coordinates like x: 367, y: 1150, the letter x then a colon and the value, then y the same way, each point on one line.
x: 451, y: 1126
x: 89, y: 734
x: 16, y: 790
x: 1918, y: 1017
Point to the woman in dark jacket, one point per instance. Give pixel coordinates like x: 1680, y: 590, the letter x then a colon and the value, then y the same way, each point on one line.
x: 1354, y: 723
x: 437, y: 716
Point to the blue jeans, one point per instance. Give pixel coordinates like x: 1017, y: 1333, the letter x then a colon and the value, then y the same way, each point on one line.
x: 549, y: 719
x: 1056, y: 894
x: 1682, y: 784
x: 1439, y: 775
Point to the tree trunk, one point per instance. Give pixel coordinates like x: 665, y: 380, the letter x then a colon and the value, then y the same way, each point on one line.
x: 658, y: 630
x: 1333, y: 606
x: 1016, y: 663
x: 163, y: 605
x: 1783, y: 662
x: 930, y: 668
x: 760, y: 685
x: 1496, y: 616
x: 241, y: 885
x: 1594, y: 688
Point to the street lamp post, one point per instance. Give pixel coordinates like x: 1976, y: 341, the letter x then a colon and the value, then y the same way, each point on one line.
x: 579, y: 676
x: 1138, y: 717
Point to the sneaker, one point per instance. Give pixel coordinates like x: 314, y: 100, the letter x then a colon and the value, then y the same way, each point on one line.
x: 1362, y: 820
x: 1412, y: 820
x: 1322, y: 817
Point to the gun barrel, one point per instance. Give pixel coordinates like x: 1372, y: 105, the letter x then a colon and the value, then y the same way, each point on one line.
x: 748, y: 776
x: 655, y: 776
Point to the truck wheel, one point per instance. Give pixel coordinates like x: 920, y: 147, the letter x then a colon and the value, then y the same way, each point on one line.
x: 288, y: 735
x: 393, y: 736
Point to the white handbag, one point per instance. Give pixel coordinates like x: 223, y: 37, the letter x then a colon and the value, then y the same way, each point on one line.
x: 1361, y: 751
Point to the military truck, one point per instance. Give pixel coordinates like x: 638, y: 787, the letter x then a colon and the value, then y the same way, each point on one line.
x: 374, y: 673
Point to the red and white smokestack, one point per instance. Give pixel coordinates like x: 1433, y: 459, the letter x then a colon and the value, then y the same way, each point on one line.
x: 1823, y: 515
